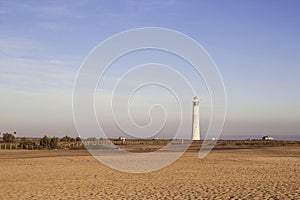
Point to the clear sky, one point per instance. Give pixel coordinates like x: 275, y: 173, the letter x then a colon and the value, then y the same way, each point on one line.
x: 255, y: 44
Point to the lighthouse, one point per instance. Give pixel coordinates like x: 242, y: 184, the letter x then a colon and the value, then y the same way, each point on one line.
x: 196, y: 120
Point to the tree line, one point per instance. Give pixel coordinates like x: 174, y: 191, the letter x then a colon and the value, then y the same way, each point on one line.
x: 44, y: 142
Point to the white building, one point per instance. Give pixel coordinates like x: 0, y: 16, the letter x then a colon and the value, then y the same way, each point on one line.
x: 196, y: 120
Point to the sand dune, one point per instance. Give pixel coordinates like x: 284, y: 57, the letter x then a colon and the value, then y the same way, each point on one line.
x: 264, y: 173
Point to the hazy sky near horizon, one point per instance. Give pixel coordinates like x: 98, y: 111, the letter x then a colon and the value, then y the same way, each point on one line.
x: 255, y: 45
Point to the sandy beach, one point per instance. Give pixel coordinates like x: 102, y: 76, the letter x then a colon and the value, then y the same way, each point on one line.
x: 262, y: 173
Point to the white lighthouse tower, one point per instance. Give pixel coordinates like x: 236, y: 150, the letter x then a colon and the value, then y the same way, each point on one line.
x: 196, y: 120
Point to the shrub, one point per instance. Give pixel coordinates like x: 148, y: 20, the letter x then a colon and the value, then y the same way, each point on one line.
x: 54, y: 143
x: 78, y: 139
x: 8, y: 137
x: 26, y: 142
x: 66, y: 139
x: 45, y: 142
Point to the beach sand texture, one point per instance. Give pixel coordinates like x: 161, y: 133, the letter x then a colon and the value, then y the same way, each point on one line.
x: 263, y: 173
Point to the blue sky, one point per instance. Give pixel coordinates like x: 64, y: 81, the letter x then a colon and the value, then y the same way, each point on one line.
x: 255, y: 44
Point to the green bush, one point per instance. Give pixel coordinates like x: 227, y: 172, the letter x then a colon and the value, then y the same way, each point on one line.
x: 8, y: 137
x: 54, y: 143
x: 49, y: 143
x: 45, y: 142
x: 26, y: 142
x: 66, y: 139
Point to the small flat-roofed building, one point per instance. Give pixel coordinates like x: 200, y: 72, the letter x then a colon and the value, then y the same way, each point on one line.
x: 267, y: 138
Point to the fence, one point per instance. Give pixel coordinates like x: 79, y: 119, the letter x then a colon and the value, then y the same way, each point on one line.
x: 16, y: 146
